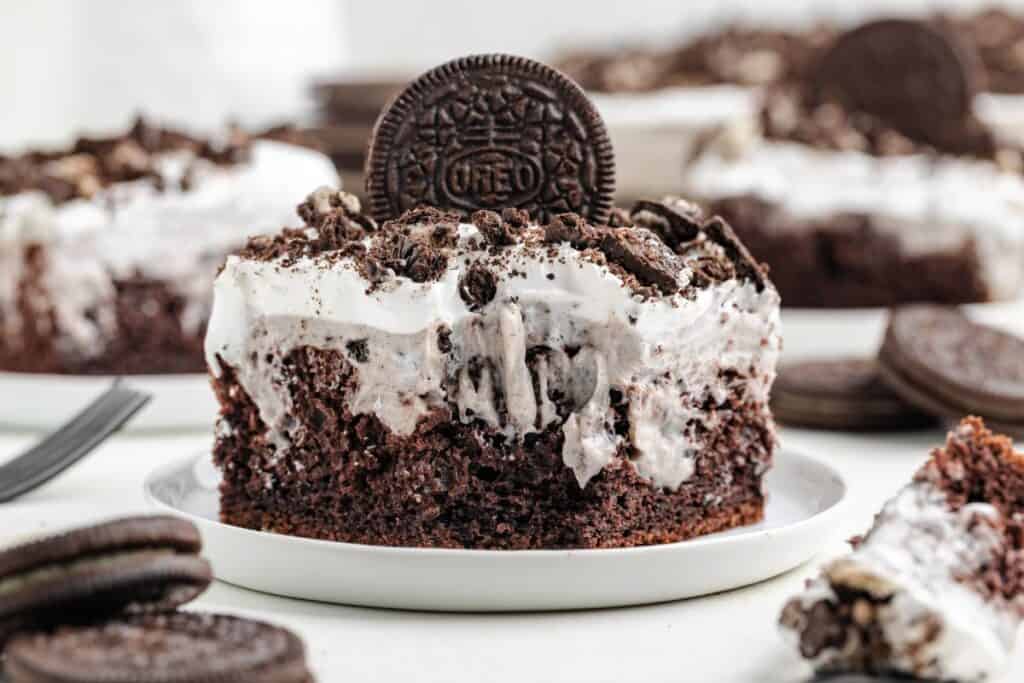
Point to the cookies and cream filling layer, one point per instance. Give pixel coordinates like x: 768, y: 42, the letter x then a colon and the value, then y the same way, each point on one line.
x: 914, y: 569
x: 559, y: 324
x: 133, y: 229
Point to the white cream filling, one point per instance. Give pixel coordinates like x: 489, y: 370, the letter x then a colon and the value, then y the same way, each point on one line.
x: 912, y: 557
x: 172, y: 235
x: 667, y: 362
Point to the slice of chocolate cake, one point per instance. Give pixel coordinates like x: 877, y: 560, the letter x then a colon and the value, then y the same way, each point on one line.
x: 499, y: 373
x: 108, y: 248
x: 493, y: 382
x: 934, y: 589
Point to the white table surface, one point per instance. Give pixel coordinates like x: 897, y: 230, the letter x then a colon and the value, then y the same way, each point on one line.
x: 724, y: 638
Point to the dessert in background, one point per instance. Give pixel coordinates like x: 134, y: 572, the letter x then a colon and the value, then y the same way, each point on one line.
x: 845, y: 394
x: 347, y: 109
x: 947, y: 365
x: 847, y: 206
x: 933, y: 590
x: 872, y: 182
x: 492, y: 360
x: 108, y: 248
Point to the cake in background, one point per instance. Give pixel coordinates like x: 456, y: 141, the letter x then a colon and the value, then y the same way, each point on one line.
x: 494, y: 359
x: 109, y: 248
x: 872, y: 181
x: 347, y: 108
x: 850, y: 203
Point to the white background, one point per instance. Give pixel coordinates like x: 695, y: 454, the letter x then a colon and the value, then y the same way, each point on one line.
x: 66, y: 65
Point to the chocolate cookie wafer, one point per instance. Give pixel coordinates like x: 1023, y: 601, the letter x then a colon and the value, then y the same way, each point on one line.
x: 911, y: 74
x: 841, y: 394
x: 950, y: 366
x: 491, y: 132
x: 178, y: 647
x: 135, y: 564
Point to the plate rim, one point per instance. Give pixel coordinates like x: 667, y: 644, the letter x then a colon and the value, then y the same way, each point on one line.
x: 836, y: 508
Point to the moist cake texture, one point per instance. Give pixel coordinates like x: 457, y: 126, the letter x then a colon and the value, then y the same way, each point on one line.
x: 494, y: 383
x: 108, y: 249
x: 934, y: 589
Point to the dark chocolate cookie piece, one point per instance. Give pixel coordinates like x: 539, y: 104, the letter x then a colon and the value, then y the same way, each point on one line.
x: 910, y: 74
x: 943, y: 362
x: 675, y: 221
x: 841, y: 394
x: 177, y: 647
x: 129, y: 565
x: 491, y: 132
x: 644, y: 255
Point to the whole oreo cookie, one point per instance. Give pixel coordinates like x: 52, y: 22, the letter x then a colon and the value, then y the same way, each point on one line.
x: 177, y: 647
x: 130, y: 565
x: 841, y: 394
x: 909, y: 73
x: 491, y: 132
x: 946, y: 364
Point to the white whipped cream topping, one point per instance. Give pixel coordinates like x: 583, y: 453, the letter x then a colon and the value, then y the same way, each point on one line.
x: 666, y: 363
x: 913, y: 555
x: 173, y: 235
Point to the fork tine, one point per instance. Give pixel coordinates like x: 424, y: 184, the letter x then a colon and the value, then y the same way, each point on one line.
x: 70, y: 443
x: 34, y: 470
x: 71, y: 429
x: 84, y: 424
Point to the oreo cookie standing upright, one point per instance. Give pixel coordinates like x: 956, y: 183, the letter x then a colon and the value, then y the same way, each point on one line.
x: 911, y: 74
x: 491, y: 132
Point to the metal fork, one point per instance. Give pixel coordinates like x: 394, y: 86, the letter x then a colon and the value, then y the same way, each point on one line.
x: 72, y: 442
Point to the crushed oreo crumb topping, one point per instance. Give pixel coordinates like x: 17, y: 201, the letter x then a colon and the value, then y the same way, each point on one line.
x: 478, y: 286
x: 663, y: 241
x: 643, y: 254
x: 92, y: 164
x: 358, y: 350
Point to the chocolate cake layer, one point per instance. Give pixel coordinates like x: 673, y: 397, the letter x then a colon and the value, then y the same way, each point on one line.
x: 450, y: 484
x: 847, y: 261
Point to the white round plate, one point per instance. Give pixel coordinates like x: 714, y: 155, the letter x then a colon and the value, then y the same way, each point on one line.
x: 36, y: 401
x: 831, y: 332
x: 804, y: 498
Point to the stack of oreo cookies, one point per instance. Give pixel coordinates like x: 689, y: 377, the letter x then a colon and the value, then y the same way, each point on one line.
x: 935, y: 364
x: 101, y: 604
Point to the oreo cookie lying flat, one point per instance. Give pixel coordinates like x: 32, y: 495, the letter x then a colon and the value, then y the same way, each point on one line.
x: 909, y: 73
x: 939, y: 360
x: 491, y: 132
x: 179, y: 647
x: 130, y: 565
x: 841, y: 394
